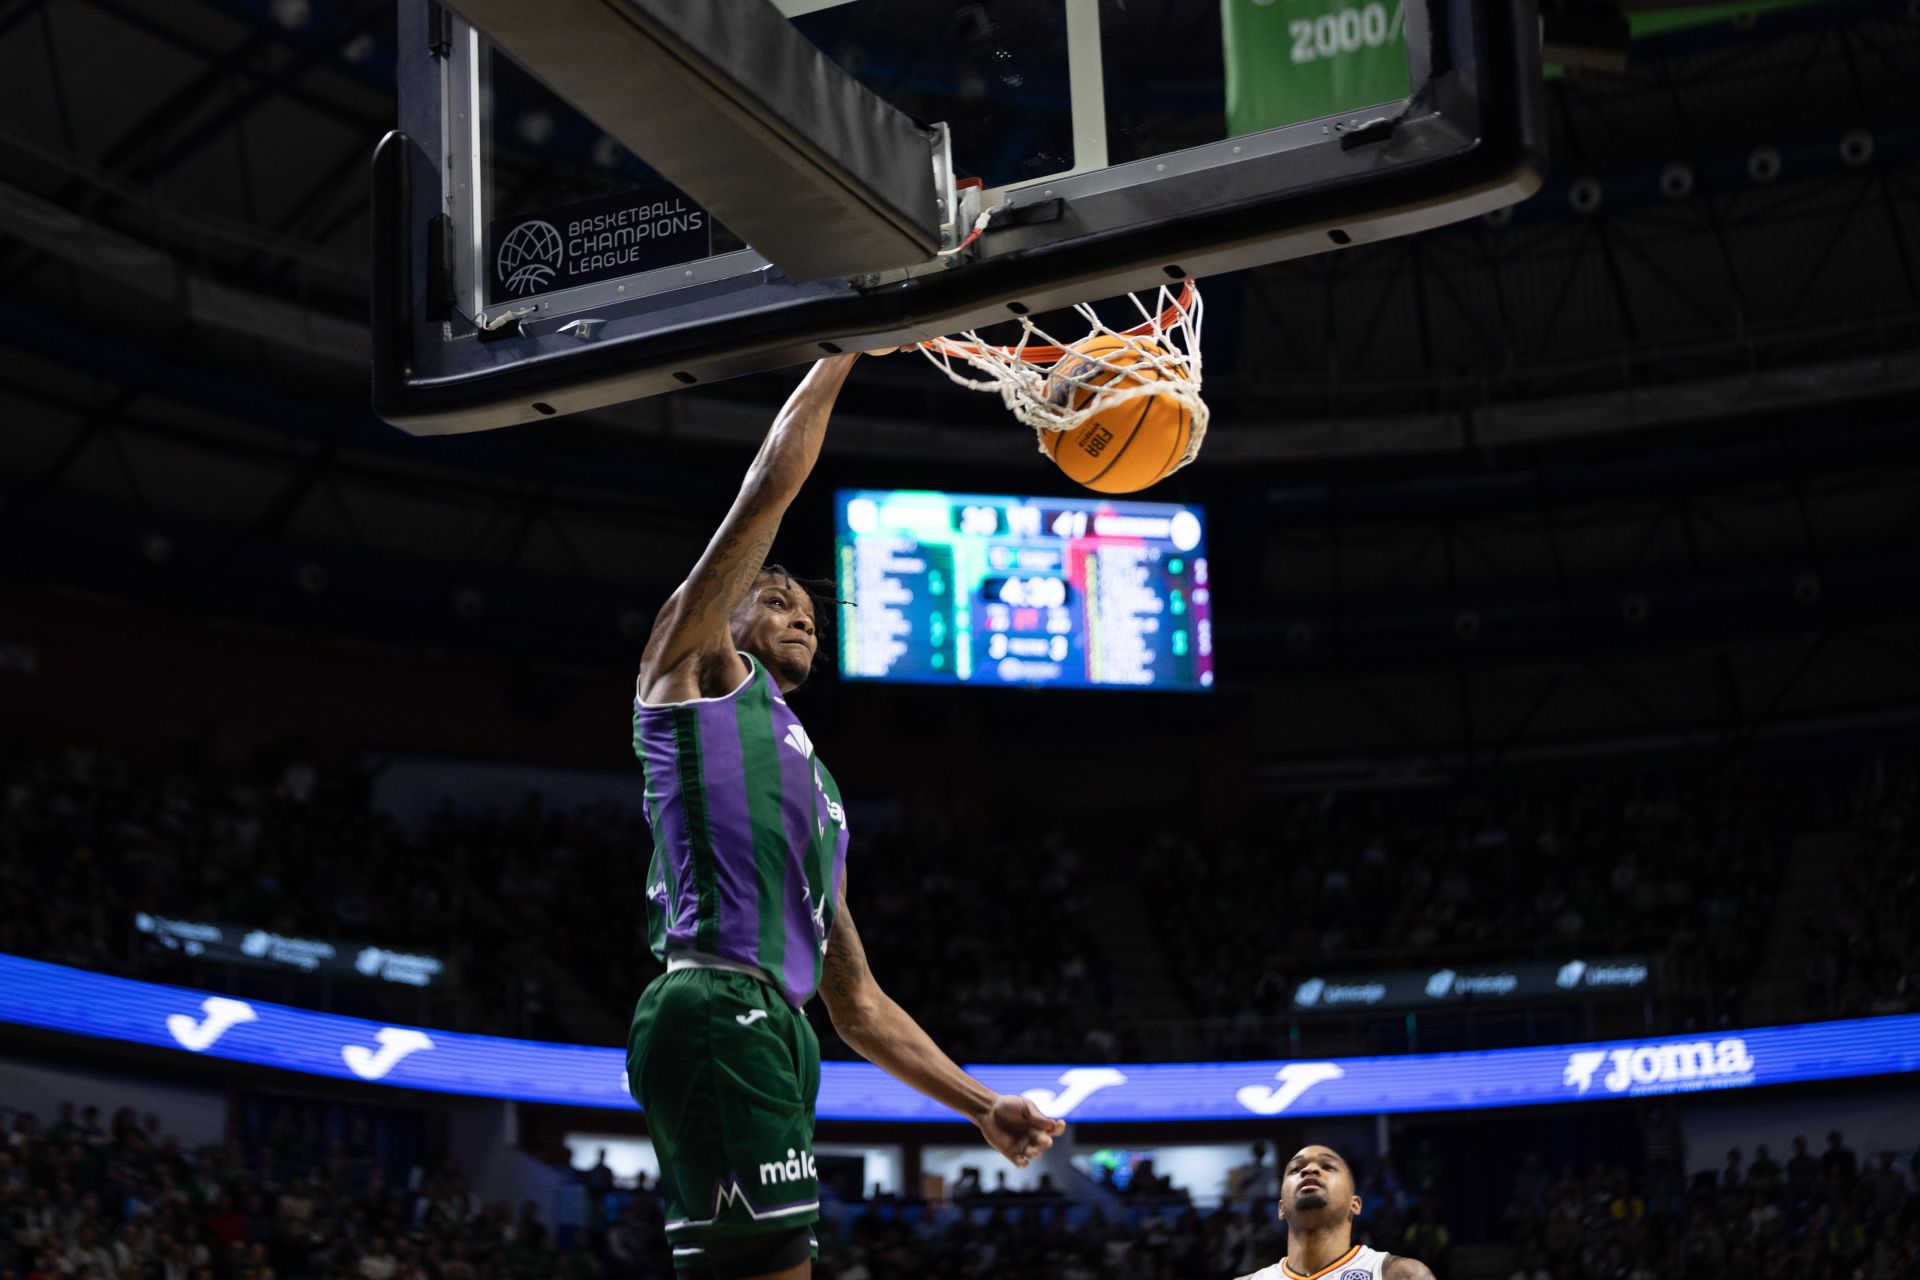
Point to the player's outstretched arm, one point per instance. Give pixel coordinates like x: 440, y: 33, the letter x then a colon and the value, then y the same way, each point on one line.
x: 1398, y: 1268
x: 692, y: 627
x: 886, y: 1035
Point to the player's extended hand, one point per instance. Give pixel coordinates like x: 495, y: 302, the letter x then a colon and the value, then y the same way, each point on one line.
x: 1017, y: 1129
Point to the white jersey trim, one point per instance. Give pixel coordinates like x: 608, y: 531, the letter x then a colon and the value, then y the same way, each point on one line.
x: 753, y: 669
x: 1367, y: 1263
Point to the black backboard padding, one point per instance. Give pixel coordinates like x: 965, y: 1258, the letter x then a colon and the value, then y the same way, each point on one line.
x: 740, y: 111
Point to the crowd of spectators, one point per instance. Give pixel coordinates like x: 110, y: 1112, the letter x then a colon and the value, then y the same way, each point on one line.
x: 1142, y: 1227
x: 83, y: 1199
x: 987, y: 942
x: 87, y: 843
x: 1862, y: 932
x: 87, y: 1199
x: 1689, y: 868
x: 538, y: 910
x: 935, y: 917
x: 1807, y: 1217
x: 520, y: 900
x: 1148, y: 1229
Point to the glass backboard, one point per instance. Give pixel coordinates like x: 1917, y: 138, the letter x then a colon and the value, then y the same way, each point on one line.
x: 1139, y: 139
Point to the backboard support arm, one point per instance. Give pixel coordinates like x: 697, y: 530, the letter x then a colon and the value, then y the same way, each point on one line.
x: 729, y: 102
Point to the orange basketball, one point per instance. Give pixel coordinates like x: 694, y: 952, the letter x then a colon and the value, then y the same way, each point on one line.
x: 1125, y: 446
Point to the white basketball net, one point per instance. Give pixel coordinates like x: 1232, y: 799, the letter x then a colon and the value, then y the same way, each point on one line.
x: 1051, y: 387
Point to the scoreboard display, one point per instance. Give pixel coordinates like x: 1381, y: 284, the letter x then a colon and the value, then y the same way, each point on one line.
x: 990, y: 589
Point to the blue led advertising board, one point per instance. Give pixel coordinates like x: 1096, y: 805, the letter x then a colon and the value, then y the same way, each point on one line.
x: 35, y: 994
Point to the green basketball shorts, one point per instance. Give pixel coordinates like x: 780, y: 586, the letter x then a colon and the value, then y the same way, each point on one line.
x: 728, y: 1074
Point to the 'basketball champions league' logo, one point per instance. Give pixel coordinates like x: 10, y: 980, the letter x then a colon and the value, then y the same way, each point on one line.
x: 602, y: 239
x: 529, y: 257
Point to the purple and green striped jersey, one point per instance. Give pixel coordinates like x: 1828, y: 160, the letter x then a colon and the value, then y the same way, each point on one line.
x: 749, y: 835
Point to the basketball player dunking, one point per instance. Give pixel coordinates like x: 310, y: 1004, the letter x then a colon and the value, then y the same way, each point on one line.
x: 1318, y: 1204
x: 746, y: 900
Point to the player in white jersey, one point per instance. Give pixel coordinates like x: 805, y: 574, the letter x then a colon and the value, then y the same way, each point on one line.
x: 1318, y: 1204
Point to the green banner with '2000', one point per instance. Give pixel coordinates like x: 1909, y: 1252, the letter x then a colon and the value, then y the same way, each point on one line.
x: 1294, y: 60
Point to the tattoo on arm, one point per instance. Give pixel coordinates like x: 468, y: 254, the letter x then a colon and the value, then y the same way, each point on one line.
x: 845, y: 976
x: 697, y: 625
x: 704, y: 603
x: 1398, y: 1268
x: 737, y: 559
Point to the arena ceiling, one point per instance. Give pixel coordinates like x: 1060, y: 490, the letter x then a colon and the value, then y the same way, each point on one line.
x: 172, y: 165
x: 183, y: 228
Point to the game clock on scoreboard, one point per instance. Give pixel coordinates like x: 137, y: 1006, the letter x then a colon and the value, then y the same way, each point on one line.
x: 994, y: 589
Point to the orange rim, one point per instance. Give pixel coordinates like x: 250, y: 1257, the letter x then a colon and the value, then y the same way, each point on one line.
x: 1053, y: 354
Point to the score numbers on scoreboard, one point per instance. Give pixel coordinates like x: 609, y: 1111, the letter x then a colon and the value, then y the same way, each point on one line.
x: 984, y: 589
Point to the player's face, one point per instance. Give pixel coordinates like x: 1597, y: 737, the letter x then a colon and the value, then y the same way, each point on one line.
x: 775, y: 624
x: 1317, y: 1188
